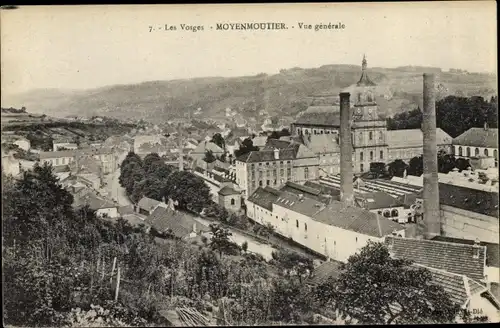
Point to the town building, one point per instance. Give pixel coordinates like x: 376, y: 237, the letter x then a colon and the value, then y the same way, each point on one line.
x: 406, y: 144
x: 63, y: 144
x: 147, y: 205
x: 102, y: 207
x: 332, y: 230
x: 478, y: 143
x: 203, y: 147
x: 326, y: 147
x: 368, y: 130
x: 230, y: 199
x: 274, y: 167
x: 166, y: 220
x: 57, y: 159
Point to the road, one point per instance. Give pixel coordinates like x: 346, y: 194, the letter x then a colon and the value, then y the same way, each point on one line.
x: 116, y: 191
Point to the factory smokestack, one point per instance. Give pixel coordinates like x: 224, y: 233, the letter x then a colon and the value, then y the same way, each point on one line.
x: 430, y: 225
x: 346, y: 176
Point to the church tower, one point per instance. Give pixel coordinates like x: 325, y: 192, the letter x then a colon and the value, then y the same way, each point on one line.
x: 369, y: 128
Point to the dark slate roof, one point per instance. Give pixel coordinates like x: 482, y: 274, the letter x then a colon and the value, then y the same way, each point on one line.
x: 336, y: 214
x: 377, y: 199
x: 334, y: 192
x: 227, y: 191
x: 329, y: 269
x: 180, y: 224
x: 277, y: 143
x: 306, y: 191
x: 147, y: 203
x: 128, y: 209
x: 264, y: 197
x: 478, y: 137
x: 492, y: 250
x: 268, y: 155
x: 364, y: 80
x: 319, y: 118
x: 474, y: 200
x: 451, y: 257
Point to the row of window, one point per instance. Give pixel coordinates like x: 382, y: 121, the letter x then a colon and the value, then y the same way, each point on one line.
x: 476, y: 152
x: 268, y: 163
x: 268, y: 182
x: 361, y: 155
x: 274, y: 173
x: 62, y: 161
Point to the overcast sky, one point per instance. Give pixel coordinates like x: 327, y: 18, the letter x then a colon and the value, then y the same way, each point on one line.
x: 92, y: 46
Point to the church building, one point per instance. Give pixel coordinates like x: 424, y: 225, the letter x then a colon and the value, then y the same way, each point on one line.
x: 369, y: 129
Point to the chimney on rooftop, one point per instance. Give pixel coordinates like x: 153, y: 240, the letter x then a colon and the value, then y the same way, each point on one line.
x: 346, y: 175
x: 431, y: 224
x: 276, y: 153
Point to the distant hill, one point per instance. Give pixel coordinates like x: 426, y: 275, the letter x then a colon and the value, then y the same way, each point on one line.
x: 284, y: 94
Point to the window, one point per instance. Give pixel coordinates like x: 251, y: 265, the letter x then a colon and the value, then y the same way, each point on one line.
x: 289, y: 171
x: 394, y: 213
x: 468, y: 151
x: 315, y: 132
x: 260, y: 183
x: 307, y: 131
x: 305, y: 226
x: 306, y: 173
x: 380, y: 135
x: 282, y: 172
x: 381, y: 154
x: 485, y: 152
x: 267, y: 182
x: 371, y: 155
x: 387, y: 214
x: 361, y: 167
x: 232, y: 201
x: 57, y: 161
x: 321, y: 132
x: 253, y: 184
x: 361, y: 156
x: 476, y: 152
x: 459, y: 151
x: 274, y: 173
x: 297, y: 223
x: 356, y: 239
x: 370, y: 135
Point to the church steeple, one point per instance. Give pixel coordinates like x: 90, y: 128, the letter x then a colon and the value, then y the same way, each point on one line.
x: 364, y: 80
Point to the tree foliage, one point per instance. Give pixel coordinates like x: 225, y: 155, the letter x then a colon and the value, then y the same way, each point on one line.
x: 246, y: 147
x: 416, y: 166
x: 209, y: 157
x: 377, y: 289
x: 397, y: 168
x: 454, y: 115
x: 218, y: 139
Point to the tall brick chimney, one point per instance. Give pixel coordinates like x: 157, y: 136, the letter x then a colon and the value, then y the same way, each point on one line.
x: 431, y: 223
x: 346, y: 175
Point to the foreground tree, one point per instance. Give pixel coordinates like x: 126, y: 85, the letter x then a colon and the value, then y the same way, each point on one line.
x: 246, y: 147
x: 220, y: 241
x: 377, y: 289
x: 218, y: 139
x: 397, y: 168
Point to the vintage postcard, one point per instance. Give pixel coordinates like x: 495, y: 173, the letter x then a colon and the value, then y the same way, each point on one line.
x: 250, y: 164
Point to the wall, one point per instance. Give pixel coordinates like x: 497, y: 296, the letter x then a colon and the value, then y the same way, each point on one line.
x: 329, y: 164
x: 58, y: 161
x: 493, y: 274
x: 23, y: 144
x: 460, y: 223
x: 481, y: 306
x: 402, y: 213
x: 110, y: 212
x: 333, y: 242
x: 467, y: 152
x: 225, y: 201
x: 301, y: 165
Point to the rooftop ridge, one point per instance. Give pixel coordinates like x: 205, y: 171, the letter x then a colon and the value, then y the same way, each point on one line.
x: 438, y: 241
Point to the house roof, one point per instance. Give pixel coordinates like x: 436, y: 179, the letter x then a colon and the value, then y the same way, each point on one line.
x: 323, y: 118
x: 259, y: 141
x: 377, y: 199
x: 228, y: 191
x: 334, y: 192
x: 264, y: 197
x: 267, y: 155
x: 205, y: 146
x: 322, y: 143
x: 336, y: 214
x: 411, y: 138
x: 129, y: 209
x: 459, y: 287
x: 277, y: 143
x: 451, y: 257
x: 93, y: 201
x: 474, y: 200
x: 307, y: 191
x: 327, y: 270
x: 478, y: 137
x: 492, y: 250
x: 180, y: 224
x: 148, y: 204
x: 56, y: 154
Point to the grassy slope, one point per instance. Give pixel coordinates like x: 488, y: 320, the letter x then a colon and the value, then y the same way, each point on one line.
x: 283, y: 94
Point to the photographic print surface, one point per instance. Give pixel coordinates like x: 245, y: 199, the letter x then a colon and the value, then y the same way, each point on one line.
x: 251, y: 164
